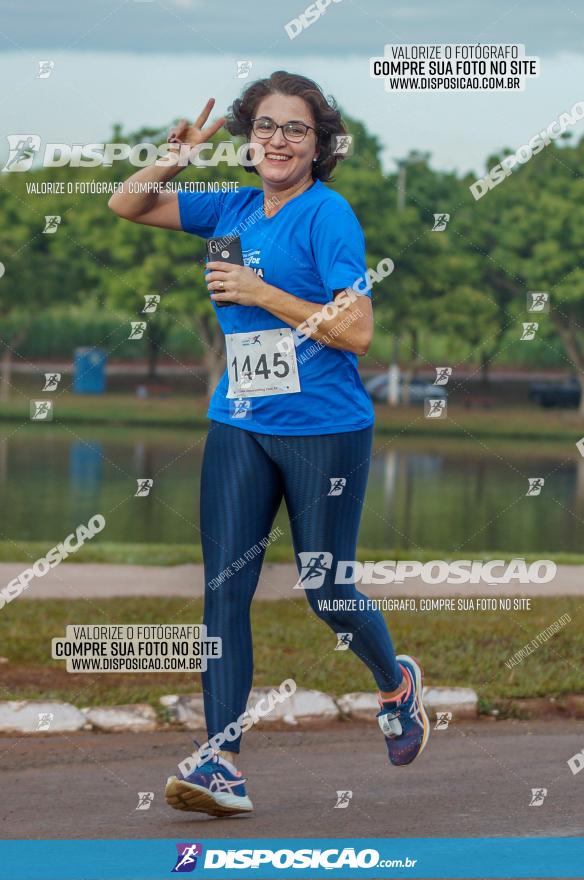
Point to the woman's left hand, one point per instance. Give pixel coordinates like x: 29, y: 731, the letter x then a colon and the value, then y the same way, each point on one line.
x: 237, y: 284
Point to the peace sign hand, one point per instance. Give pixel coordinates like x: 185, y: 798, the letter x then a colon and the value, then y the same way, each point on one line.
x: 195, y: 134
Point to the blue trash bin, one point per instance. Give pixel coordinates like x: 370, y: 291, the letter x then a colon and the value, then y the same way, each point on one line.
x: 89, y: 371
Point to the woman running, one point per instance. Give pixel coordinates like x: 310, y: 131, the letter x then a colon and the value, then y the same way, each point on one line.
x: 290, y: 418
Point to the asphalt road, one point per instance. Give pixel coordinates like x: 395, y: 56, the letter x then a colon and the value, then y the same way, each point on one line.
x: 473, y: 780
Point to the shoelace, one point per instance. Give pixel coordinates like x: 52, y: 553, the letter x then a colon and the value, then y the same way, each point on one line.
x: 390, y: 722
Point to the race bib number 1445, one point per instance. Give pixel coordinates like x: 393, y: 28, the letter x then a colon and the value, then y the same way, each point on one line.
x: 258, y: 366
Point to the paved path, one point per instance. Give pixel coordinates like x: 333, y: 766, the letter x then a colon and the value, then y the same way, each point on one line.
x: 94, y: 580
x: 473, y: 780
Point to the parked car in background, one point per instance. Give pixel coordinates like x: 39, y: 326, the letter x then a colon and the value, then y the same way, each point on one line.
x: 548, y: 394
x: 419, y: 389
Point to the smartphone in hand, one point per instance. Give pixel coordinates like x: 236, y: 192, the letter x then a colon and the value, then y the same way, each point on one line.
x: 225, y: 250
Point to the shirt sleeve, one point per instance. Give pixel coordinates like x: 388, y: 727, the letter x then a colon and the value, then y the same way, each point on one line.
x: 199, y: 212
x: 338, y: 246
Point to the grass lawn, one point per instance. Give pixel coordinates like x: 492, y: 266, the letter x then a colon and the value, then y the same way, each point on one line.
x: 463, y: 648
x: 182, y: 554
x: 188, y: 411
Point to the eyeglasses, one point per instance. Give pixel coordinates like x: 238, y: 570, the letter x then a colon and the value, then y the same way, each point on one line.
x: 264, y: 127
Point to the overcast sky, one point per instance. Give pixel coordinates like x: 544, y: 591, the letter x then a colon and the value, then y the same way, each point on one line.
x: 145, y: 63
x: 224, y: 26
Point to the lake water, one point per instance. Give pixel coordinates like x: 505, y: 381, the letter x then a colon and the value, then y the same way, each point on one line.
x: 453, y: 496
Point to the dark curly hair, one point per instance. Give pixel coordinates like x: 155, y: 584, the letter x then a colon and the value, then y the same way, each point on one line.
x: 327, y: 119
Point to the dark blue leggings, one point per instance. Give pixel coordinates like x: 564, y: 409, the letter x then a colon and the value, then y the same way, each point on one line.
x: 244, y: 477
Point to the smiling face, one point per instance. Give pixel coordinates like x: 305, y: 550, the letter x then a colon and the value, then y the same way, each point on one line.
x: 285, y: 164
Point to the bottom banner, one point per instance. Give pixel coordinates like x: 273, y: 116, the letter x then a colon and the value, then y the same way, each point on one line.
x: 503, y: 857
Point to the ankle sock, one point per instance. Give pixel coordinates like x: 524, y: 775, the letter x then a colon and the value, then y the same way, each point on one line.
x: 403, y: 694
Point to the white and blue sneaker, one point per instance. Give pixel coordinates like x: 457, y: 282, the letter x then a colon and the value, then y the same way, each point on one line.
x: 215, y: 786
x: 404, y: 722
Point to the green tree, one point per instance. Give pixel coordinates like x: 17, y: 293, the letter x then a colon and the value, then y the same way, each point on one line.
x: 529, y: 232
x: 40, y: 269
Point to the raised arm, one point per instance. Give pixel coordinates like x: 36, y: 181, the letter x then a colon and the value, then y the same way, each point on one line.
x: 161, y: 208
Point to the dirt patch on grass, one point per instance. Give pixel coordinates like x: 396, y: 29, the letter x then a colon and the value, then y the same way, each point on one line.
x: 567, y: 706
x: 43, y: 682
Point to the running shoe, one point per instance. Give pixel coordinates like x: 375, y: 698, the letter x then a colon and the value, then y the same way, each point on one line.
x: 404, y: 722
x: 215, y: 786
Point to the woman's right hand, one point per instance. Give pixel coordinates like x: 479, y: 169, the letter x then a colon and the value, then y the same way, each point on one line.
x: 156, y: 208
x: 195, y: 134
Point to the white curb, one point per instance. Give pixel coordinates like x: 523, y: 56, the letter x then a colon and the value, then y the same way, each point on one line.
x: 304, y: 707
x: 132, y: 718
x: 185, y: 710
x: 39, y: 716
x: 308, y: 706
x: 461, y: 702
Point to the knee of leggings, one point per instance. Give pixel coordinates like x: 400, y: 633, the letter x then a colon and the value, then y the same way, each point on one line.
x: 337, y: 620
x: 229, y: 603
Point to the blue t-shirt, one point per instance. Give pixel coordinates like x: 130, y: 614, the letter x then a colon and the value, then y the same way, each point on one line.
x: 312, y: 246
